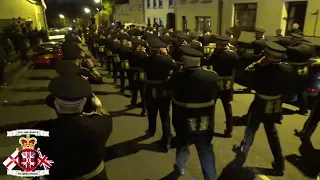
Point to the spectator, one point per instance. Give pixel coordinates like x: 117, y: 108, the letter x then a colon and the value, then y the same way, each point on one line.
x: 295, y: 29
x: 278, y: 33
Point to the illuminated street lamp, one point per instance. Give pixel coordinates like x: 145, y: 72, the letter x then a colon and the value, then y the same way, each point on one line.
x: 86, y: 10
x: 61, y: 16
x: 97, y: 1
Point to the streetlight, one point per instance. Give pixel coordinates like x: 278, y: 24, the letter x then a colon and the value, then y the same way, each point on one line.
x: 97, y: 1
x: 86, y: 10
x: 64, y: 20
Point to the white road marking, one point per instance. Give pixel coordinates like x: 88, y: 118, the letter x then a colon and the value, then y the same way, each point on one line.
x: 259, y: 174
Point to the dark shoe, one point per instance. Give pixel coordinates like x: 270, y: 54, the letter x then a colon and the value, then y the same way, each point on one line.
x: 298, y: 133
x: 143, y: 114
x: 180, y: 171
x: 240, y: 156
x: 246, y: 90
x: 121, y: 91
x: 149, y: 133
x: 278, y: 167
x: 227, y: 134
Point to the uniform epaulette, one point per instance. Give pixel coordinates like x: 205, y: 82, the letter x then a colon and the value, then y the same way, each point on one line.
x: 252, y: 67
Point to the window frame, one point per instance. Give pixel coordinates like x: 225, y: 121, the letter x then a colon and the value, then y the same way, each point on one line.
x: 160, y: 5
x: 148, y: 4
x: 246, y: 8
x: 205, y: 18
x: 155, y: 4
x: 171, y: 5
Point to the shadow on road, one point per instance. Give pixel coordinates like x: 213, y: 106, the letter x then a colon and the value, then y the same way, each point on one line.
x: 121, y: 112
x: 40, y: 78
x: 232, y: 172
x: 31, y: 89
x: 14, y: 126
x: 103, y: 93
x: 286, y: 111
x: 309, y: 161
x: 240, y: 120
x: 124, y: 148
x: 25, y: 103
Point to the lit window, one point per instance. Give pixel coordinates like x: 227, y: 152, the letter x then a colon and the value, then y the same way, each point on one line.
x: 140, y: 4
x: 161, y: 22
x: 203, y: 22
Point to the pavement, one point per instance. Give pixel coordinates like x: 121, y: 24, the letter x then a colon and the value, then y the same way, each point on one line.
x: 22, y: 104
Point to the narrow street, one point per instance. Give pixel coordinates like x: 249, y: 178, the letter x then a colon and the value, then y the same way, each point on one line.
x: 22, y: 104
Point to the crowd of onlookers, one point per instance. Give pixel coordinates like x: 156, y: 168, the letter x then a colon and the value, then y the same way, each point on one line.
x: 15, y: 43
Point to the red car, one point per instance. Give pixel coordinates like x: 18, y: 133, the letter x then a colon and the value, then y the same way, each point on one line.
x: 46, y: 54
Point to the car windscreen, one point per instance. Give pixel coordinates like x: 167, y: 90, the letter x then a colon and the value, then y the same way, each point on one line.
x: 56, y: 33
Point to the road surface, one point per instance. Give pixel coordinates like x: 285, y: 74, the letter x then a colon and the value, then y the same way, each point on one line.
x: 23, y: 103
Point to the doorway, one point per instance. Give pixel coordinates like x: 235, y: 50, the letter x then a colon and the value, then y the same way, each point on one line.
x: 296, y: 14
x: 171, y: 21
x: 184, y: 23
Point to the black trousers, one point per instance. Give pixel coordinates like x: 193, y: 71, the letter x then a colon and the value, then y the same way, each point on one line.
x: 311, y: 124
x: 109, y: 63
x: 272, y: 134
x: 138, y: 86
x: 302, y: 101
x: 102, y: 58
x: 23, y: 55
x: 163, y: 106
x: 94, y: 51
x: 2, y: 68
x: 226, y: 98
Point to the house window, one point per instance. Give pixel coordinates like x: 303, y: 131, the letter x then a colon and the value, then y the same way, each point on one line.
x: 184, y: 23
x: 203, y: 22
x: 155, y: 20
x: 149, y: 21
x: 140, y: 4
x: 245, y: 14
x: 161, y: 21
x: 148, y: 3
x: 154, y: 3
x: 171, y: 3
x: 160, y: 4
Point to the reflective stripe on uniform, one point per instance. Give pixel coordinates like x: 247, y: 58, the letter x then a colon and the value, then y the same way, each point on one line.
x: 193, y: 105
x: 90, y: 175
x: 269, y: 98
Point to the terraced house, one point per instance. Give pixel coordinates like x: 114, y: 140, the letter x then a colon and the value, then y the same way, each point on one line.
x: 30, y: 11
x: 270, y: 15
x: 161, y: 12
x: 129, y: 11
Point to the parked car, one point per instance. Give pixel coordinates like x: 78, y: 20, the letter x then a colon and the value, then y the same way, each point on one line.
x: 57, y: 35
x: 46, y: 54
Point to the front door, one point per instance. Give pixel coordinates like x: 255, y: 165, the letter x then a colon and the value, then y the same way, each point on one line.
x: 296, y: 14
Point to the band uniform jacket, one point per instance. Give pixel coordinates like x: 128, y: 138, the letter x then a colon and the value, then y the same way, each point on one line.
x: 158, y: 67
x: 269, y: 82
x: 76, y: 143
x: 136, y: 61
x: 193, y: 93
x: 224, y: 62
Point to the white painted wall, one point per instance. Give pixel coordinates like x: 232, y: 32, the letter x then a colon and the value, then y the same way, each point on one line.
x: 22, y: 8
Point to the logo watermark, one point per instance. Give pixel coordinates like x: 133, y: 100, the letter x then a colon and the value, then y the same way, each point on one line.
x: 27, y: 161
